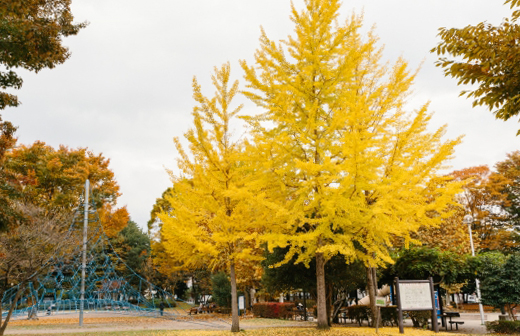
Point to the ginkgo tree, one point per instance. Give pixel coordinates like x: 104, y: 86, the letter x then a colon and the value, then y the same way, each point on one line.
x: 214, y: 214
x: 356, y: 168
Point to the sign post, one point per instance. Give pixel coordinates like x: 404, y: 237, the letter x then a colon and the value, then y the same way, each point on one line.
x: 415, y: 295
x: 241, y: 304
x: 380, y: 302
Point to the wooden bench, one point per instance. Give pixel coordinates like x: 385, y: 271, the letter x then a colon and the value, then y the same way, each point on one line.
x: 207, y: 310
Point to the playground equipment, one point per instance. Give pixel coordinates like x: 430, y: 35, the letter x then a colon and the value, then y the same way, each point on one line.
x: 93, y: 268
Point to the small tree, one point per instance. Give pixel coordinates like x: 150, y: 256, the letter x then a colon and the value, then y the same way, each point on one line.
x: 221, y: 289
x: 26, y: 248
x: 423, y: 262
x: 502, y: 287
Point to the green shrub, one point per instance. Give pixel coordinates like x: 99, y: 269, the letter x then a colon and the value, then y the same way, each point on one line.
x: 223, y: 310
x: 167, y: 303
x: 364, y: 313
x: 221, y: 289
x: 359, y: 313
x: 309, y: 302
x: 420, y: 317
x: 272, y: 309
x: 504, y: 327
x: 389, y: 315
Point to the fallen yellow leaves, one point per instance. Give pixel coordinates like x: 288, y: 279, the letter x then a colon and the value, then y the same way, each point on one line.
x: 341, y: 331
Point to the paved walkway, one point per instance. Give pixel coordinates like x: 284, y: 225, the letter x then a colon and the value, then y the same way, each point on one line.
x: 472, y: 323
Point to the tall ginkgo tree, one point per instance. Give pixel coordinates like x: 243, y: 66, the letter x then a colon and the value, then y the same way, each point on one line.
x: 214, y: 217
x: 356, y: 168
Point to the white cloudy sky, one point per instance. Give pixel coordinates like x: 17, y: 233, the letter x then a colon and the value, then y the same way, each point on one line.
x: 126, y: 90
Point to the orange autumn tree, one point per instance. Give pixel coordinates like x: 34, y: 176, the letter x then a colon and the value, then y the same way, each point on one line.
x: 483, y: 197
x: 355, y: 168
x: 54, y: 179
x: 113, y: 220
x: 510, y: 170
x: 451, y: 235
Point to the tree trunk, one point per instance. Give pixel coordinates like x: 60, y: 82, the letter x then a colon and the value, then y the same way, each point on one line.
x: 235, y: 327
x: 194, y: 291
x: 247, y: 299
x: 10, y: 312
x: 372, y: 288
x: 305, y: 305
x: 321, y: 303
x: 509, y: 311
x: 329, y: 303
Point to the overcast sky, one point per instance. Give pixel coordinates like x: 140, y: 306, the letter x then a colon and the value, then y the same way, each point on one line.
x: 126, y: 90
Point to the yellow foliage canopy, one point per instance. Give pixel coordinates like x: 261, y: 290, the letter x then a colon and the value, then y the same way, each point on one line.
x: 355, y: 167
x: 214, y: 215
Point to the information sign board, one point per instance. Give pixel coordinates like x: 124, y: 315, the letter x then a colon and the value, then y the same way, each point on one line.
x: 415, y: 296
x: 380, y: 301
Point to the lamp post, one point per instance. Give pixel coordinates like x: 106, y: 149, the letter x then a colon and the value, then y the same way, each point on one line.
x: 468, y: 219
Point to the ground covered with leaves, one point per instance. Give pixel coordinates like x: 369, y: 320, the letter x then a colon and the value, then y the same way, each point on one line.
x: 275, y: 331
x: 198, y: 326
x: 266, y: 332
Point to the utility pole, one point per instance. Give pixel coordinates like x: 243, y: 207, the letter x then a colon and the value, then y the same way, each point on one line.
x: 84, y: 262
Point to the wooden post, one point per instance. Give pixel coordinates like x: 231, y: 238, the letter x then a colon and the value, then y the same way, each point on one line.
x: 435, y: 326
x: 377, y: 320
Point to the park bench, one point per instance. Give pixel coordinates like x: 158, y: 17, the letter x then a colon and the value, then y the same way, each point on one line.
x: 207, y: 310
x: 451, y: 315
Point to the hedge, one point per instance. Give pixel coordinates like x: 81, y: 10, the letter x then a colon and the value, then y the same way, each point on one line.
x: 504, y: 327
x: 358, y: 313
x: 420, y: 318
x: 272, y: 309
x: 167, y: 303
x: 361, y: 313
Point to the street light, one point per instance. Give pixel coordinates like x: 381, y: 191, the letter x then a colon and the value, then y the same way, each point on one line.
x: 468, y: 219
